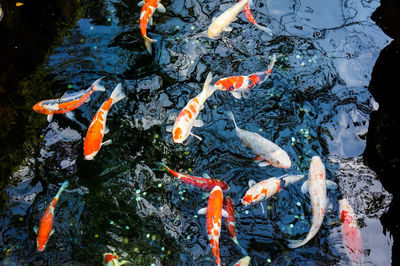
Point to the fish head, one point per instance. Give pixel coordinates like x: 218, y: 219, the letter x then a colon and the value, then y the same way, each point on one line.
x: 40, y: 245
x: 110, y: 259
x: 317, y: 168
x: 280, y: 159
x: 40, y: 108
x: 91, y: 156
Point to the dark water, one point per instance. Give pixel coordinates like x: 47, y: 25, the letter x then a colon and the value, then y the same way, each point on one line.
x: 315, y: 102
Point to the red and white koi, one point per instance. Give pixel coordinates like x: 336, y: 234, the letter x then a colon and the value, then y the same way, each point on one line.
x: 97, y: 128
x: 146, y: 17
x: 111, y: 259
x: 231, y: 223
x: 245, y: 261
x: 241, y: 85
x: 44, y: 231
x: 67, y: 102
x: 267, y: 188
x: 221, y: 23
x: 351, y: 234
x: 214, y: 213
x: 187, y: 117
x: 250, y: 17
x: 268, y: 153
x: 205, y: 182
x: 316, y: 186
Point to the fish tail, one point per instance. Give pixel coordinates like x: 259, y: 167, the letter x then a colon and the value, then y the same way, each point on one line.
x: 266, y: 29
x: 271, y: 63
x: 148, y: 42
x: 96, y: 85
x: 118, y: 94
x: 207, y: 89
x: 230, y: 114
x: 297, y: 243
x: 161, y: 167
x: 290, y: 179
x: 62, y: 188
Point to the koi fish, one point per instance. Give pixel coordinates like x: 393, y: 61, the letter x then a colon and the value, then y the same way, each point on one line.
x: 231, y: 224
x: 250, y: 17
x: 111, y: 259
x: 267, y: 188
x: 241, y: 85
x: 268, y: 153
x: 146, y: 17
x: 67, y: 102
x: 245, y: 261
x: 221, y: 23
x: 316, y: 185
x: 187, y: 117
x: 97, y: 128
x: 44, y: 231
x: 214, y: 212
x: 201, y: 182
x: 351, y: 234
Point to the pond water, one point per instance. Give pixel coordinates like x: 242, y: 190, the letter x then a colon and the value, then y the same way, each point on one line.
x: 315, y: 102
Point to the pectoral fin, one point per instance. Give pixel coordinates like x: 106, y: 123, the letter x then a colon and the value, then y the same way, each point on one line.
x: 262, y: 164
x: 225, y: 214
x: 35, y: 229
x: 206, y: 176
x: 106, y: 130
x: 151, y: 21
x: 52, y: 232
x: 228, y: 29
x: 49, y: 117
x: 304, y: 187
x: 237, y: 95
x: 141, y: 3
x: 330, y: 184
x: 88, y: 99
x: 198, y: 123
x: 161, y: 8
x: 70, y: 115
x: 202, y: 211
x: 252, y: 183
x: 169, y: 128
x: 105, y: 143
x: 196, y: 136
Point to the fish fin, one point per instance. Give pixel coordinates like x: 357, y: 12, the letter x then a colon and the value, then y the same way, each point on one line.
x: 35, y: 229
x: 266, y: 29
x: 206, y: 87
x: 213, y: 19
x: 258, y: 158
x: 52, y: 232
x: 148, y: 46
x: 169, y: 128
x: 70, y: 115
x: 49, y: 117
x: 262, y: 164
x: 106, y: 130
x: 230, y: 114
x: 198, y: 123
x: 262, y: 206
x: 88, y: 99
x: 161, y: 8
x: 304, y: 187
x: 118, y: 94
x: 64, y: 95
x: 151, y: 21
x: 330, y: 184
x: 96, y: 85
x: 236, y: 94
x: 252, y: 183
x: 194, y: 135
x: 202, y: 211
x: 246, y: 94
x: 107, y: 142
x: 205, y: 175
x: 228, y: 29
x: 225, y: 213
x: 161, y: 167
x: 295, y: 243
x: 141, y: 3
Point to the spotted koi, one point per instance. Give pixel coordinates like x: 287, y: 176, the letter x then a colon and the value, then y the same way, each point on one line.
x: 316, y: 185
x: 187, y: 117
x: 44, y: 231
x: 146, y: 17
x: 250, y: 17
x: 97, y: 128
x: 67, y: 102
x: 200, y: 182
x: 241, y: 85
x: 111, y: 259
x: 351, y: 234
x: 214, y: 213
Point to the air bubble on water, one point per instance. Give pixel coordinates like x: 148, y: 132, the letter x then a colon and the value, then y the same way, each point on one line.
x: 148, y: 235
x: 298, y: 203
x: 69, y: 86
x: 137, y: 191
x: 144, y: 193
x: 162, y: 248
x: 298, y: 56
x: 293, y: 139
x: 159, y: 185
x: 302, y: 64
x: 260, y: 130
x: 269, y: 207
x: 153, y: 237
x: 96, y: 236
x: 291, y: 225
x: 189, y: 237
x: 111, y: 222
x: 269, y: 260
x: 91, y: 28
x: 127, y: 227
x: 190, y: 169
x: 192, y: 28
x: 246, y: 212
x: 136, y: 249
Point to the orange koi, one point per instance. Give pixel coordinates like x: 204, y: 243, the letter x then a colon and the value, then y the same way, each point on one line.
x: 97, y: 128
x: 230, y: 222
x: 241, y: 85
x: 45, y: 228
x: 67, y: 102
x: 250, y: 17
x: 351, y: 234
x: 205, y: 182
x: 111, y: 259
x: 187, y: 117
x: 146, y: 17
x: 214, y: 213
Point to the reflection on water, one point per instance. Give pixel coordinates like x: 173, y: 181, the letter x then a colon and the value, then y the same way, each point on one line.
x: 314, y: 103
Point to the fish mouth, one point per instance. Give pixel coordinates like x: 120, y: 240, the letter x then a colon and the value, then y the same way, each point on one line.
x: 90, y: 156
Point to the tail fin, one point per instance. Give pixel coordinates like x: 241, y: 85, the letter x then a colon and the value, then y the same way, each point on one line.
x: 207, y: 89
x: 230, y: 114
x: 272, y: 63
x: 62, y: 188
x: 242, y: 250
x: 161, y: 167
x: 96, y: 85
x: 268, y: 72
x: 118, y: 94
x: 148, y: 42
x: 296, y: 243
x: 266, y: 29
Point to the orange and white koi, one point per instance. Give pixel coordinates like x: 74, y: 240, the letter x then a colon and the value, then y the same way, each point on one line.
x: 316, y: 185
x: 205, y: 182
x: 111, y: 259
x: 268, y: 153
x: 267, y: 188
x: 146, y: 17
x: 67, y: 102
x: 351, y: 234
x: 245, y: 261
x: 214, y: 213
x: 250, y: 17
x: 221, y: 23
x: 97, y: 128
x: 44, y: 231
x: 187, y: 117
x: 231, y: 223
x: 241, y: 85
